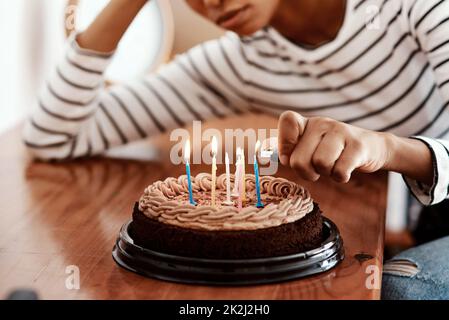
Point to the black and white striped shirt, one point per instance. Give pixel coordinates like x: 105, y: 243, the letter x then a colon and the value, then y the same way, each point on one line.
x: 387, y: 70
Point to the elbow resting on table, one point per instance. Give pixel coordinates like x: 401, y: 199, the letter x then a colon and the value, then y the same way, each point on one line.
x: 47, y: 147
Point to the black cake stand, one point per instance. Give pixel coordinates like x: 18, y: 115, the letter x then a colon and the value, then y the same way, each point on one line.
x: 229, y: 272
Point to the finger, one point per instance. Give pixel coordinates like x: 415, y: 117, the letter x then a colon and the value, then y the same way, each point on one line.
x: 291, y: 126
x: 327, y: 153
x: 349, y: 160
x: 301, y: 157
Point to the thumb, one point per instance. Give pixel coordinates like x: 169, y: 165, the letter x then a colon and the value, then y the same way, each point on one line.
x: 291, y: 127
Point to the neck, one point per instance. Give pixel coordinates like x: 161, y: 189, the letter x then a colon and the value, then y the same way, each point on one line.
x: 309, y: 22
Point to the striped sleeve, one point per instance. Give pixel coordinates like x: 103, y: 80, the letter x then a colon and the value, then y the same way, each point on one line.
x: 429, y: 24
x: 76, y: 115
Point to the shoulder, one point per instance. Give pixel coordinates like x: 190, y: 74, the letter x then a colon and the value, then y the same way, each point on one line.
x: 421, y: 12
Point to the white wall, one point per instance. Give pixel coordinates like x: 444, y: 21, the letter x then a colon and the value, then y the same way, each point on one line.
x: 27, y: 28
x: 10, y: 72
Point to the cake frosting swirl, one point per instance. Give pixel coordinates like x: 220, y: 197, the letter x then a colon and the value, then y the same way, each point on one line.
x: 167, y: 201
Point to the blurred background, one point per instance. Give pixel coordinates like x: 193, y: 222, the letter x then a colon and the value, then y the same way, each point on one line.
x: 33, y: 36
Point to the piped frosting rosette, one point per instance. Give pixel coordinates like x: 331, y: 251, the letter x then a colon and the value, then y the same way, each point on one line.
x: 167, y: 202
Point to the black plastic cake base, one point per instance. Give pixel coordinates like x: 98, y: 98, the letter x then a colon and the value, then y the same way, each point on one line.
x: 228, y: 272
x: 299, y: 236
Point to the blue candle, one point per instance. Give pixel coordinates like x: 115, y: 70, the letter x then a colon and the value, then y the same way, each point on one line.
x: 189, y: 180
x: 190, y: 184
x: 256, y: 173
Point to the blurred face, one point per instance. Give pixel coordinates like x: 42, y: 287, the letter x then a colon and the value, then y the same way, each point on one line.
x: 241, y: 16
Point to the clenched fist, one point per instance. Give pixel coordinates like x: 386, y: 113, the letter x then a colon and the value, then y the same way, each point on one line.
x: 322, y: 146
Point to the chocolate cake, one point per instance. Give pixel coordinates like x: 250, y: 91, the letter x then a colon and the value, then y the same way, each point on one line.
x: 165, y: 221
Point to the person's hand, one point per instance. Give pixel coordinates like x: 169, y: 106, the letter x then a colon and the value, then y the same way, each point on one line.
x: 322, y: 146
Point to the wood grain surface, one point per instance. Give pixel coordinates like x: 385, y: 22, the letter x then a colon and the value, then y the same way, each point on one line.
x: 54, y: 216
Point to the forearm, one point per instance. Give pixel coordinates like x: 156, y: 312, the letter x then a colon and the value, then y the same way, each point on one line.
x: 104, y: 34
x: 410, y: 157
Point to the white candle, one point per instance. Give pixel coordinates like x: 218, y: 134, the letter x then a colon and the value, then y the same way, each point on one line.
x: 214, y: 168
x: 228, y: 181
x: 238, y: 168
x: 243, y: 177
x: 241, y: 180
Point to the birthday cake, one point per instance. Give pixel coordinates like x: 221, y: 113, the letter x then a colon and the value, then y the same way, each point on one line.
x: 165, y: 221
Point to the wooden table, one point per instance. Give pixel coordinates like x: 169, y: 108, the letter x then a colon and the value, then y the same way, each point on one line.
x: 58, y: 215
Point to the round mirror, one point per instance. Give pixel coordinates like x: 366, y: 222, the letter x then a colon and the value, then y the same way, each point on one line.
x: 147, y: 43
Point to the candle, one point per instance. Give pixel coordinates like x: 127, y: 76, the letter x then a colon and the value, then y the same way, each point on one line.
x: 256, y: 173
x: 240, y: 195
x: 189, y: 180
x: 238, y: 182
x: 237, y: 179
x: 214, y: 168
x: 228, y: 182
x: 235, y: 191
x: 243, y: 177
x: 241, y: 180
